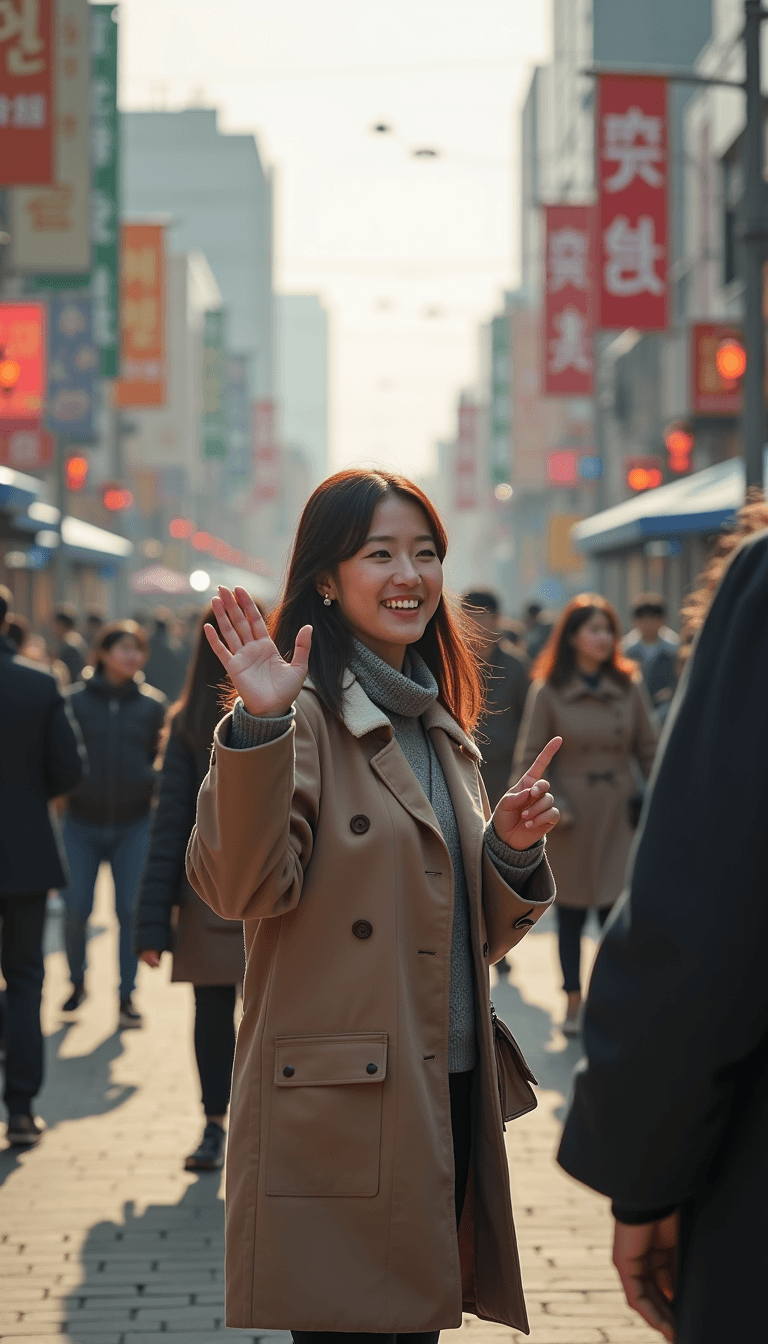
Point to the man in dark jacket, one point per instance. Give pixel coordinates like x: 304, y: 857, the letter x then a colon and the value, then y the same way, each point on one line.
x: 166, y: 666
x: 653, y: 646
x: 506, y: 687
x: 669, y: 1112
x: 70, y: 648
x: 40, y: 758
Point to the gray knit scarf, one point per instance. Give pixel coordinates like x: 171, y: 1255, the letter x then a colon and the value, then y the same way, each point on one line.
x: 404, y: 696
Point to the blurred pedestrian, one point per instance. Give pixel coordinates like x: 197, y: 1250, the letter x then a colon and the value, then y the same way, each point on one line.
x: 93, y: 626
x: 166, y: 665
x: 653, y: 646
x: 506, y: 687
x: 121, y: 719
x: 208, y: 951
x: 589, y: 694
x: 16, y: 629
x: 70, y: 647
x: 365, y: 1085
x: 669, y: 1112
x: 538, y: 625
x: 40, y: 758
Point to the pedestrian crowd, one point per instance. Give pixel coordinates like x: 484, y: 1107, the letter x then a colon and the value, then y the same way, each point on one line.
x: 346, y: 811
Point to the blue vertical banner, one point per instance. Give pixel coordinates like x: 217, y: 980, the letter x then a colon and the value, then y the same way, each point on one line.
x: 74, y: 364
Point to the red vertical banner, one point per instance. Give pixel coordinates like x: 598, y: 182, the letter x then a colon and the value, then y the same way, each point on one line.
x: 465, y: 479
x: 266, y: 454
x: 26, y: 93
x: 633, y: 202
x: 22, y: 363
x: 567, y: 363
x: 142, y: 316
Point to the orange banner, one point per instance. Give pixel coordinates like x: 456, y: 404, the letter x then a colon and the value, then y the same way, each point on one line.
x: 142, y: 316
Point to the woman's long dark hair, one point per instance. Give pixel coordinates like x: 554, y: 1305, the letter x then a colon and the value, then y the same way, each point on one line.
x: 333, y: 527
x: 557, y: 661
x: 202, y: 701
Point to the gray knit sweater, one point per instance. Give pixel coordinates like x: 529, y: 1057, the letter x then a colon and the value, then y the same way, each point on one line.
x: 404, y: 696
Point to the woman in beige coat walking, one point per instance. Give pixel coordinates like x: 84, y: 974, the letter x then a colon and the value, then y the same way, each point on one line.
x: 344, y: 820
x: 588, y: 694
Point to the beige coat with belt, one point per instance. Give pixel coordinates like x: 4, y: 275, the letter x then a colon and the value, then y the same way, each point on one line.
x: 340, y: 1183
x: 609, y: 742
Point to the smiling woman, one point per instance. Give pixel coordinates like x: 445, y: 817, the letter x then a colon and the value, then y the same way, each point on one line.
x: 345, y: 821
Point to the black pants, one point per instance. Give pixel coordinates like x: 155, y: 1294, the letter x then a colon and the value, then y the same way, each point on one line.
x: 215, y: 1044
x: 570, y: 926
x: 21, y: 960
x: 461, y: 1126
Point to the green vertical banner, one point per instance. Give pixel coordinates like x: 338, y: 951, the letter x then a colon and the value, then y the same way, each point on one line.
x: 215, y: 441
x: 501, y: 402
x: 105, y: 202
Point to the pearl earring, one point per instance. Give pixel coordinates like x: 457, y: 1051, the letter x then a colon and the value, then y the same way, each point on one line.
x: 326, y: 601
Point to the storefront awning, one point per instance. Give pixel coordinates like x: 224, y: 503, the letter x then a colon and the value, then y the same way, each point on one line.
x: 83, y: 542
x: 17, y: 491
x: 697, y: 504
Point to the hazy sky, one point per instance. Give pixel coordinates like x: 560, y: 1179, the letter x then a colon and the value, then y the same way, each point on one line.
x: 408, y: 255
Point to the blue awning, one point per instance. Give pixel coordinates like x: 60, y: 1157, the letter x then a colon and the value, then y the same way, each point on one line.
x: 82, y: 541
x: 17, y: 491
x: 697, y: 504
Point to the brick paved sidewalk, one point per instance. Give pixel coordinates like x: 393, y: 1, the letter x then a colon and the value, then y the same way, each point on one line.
x: 105, y: 1240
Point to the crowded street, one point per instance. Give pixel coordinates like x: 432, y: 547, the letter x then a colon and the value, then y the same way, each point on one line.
x: 106, y: 1240
x: 383, y: 664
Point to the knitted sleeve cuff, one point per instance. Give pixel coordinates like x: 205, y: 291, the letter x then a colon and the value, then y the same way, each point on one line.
x: 249, y: 731
x: 514, y: 865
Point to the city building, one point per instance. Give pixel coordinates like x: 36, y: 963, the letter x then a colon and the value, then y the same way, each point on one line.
x: 301, y: 377
x: 217, y: 195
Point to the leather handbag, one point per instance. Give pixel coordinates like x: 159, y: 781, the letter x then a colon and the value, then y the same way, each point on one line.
x: 516, y: 1095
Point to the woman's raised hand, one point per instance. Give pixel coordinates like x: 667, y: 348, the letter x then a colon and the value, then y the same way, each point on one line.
x: 527, y: 812
x: 266, y: 684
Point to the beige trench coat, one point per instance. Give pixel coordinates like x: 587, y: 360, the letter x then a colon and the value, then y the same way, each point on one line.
x: 609, y: 742
x: 340, y: 1181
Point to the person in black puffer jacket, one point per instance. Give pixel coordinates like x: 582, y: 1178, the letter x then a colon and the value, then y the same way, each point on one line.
x: 121, y: 719
x: 207, y: 951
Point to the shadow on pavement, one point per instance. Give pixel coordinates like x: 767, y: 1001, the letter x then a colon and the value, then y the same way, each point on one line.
x: 161, y: 1271
x: 81, y: 1085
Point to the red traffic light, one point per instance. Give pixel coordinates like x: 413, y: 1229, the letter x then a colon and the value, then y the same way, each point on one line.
x: 10, y: 373
x: 76, y: 473
x: 679, y: 443
x: 181, y: 528
x: 116, y: 498
x: 731, y: 359
x: 644, y: 473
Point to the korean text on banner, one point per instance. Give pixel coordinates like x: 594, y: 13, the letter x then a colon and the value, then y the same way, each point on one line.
x: 51, y: 226
x: 22, y: 340
x: 465, y: 466
x: 215, y: 443
x: 142, y: 316
x: 266, y: 454
x: 567, y: 362
x: 73, y: 366
x: 633, y: 180
x: 26, y: 93
x: 105, y: 150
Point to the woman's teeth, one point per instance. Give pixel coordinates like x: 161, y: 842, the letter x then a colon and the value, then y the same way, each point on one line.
x: 403, y: 604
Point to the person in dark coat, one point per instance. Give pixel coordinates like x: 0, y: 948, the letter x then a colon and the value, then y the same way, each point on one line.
x: 669, y: 1113
x: 70, y: 647
x: 506, y: 687
x: 41, y: 757
x: 121, y: 719
x: 166, y: 665
x: 207, y: 951
x: 653, y: 646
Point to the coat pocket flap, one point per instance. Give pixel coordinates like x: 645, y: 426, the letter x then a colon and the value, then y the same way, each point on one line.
x: 327, y: 1061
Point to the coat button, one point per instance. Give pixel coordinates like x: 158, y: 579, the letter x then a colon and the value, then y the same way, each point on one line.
x: 288, y: 1071
x: 360, y: 824
x: 362, y: 928
x: 372, y: 1068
